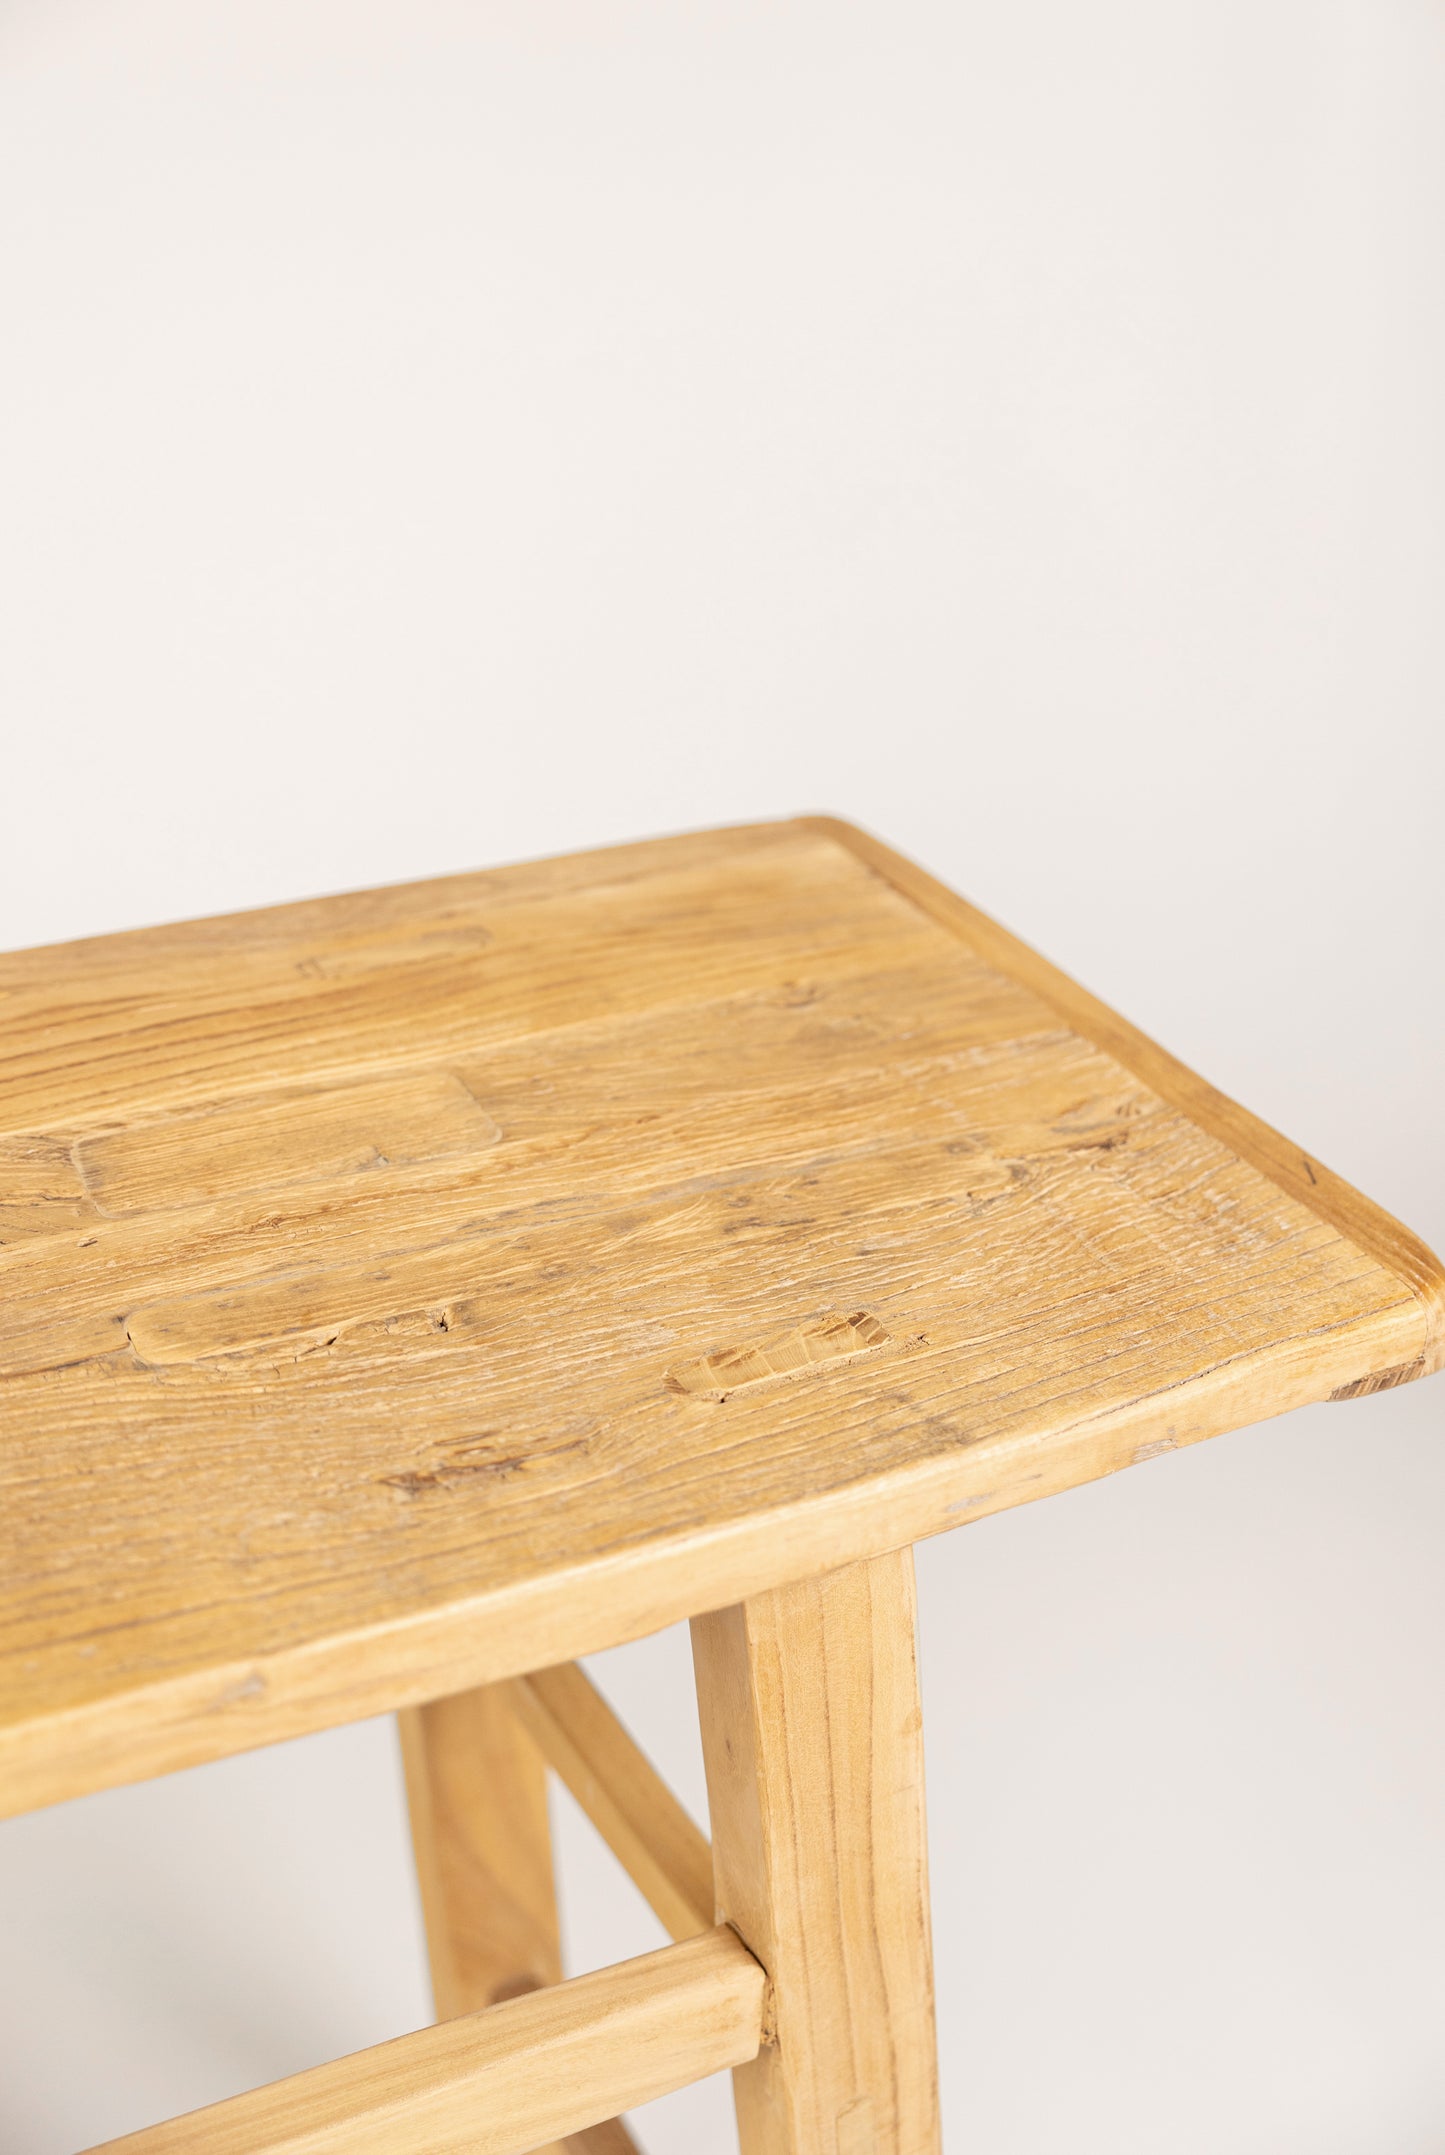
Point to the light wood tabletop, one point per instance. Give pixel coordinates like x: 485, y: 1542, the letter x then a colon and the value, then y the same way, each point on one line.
x: 408, y: 1290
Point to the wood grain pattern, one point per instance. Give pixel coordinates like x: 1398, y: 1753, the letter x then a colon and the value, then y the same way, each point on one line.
x: 269, y: 1140
x: 633, y: 1809
x: 808, y: 1347
x: 410, y: 1388
x: 813, y: 1739
x: 529, y: 2071
x: 1306, y: 1179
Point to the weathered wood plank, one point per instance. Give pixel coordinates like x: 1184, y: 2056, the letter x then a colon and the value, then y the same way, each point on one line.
x: 794, y: 1216
x: 1306, y: 1179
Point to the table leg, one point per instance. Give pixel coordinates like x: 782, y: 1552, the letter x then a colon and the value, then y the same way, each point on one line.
x: 477, y: 1791
x: 813, y: 1741
x: 476, y: 1788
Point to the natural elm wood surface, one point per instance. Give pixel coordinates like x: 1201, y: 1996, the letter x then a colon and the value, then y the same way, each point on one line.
x: 518, y: 2075
x: 403, y: 1291
x: 813, y: 1737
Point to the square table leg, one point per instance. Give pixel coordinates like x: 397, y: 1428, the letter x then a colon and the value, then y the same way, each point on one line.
x: 813, y: 1741
x: 476, y: 1788
x: 477, y: 1791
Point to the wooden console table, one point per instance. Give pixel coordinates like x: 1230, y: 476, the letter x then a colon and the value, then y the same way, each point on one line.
x: 403, y: 1294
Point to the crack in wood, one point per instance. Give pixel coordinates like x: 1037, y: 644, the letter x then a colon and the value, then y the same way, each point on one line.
x: 807, y: 1348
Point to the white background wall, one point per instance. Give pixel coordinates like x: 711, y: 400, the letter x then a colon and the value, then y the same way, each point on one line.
x: 434, y: 434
